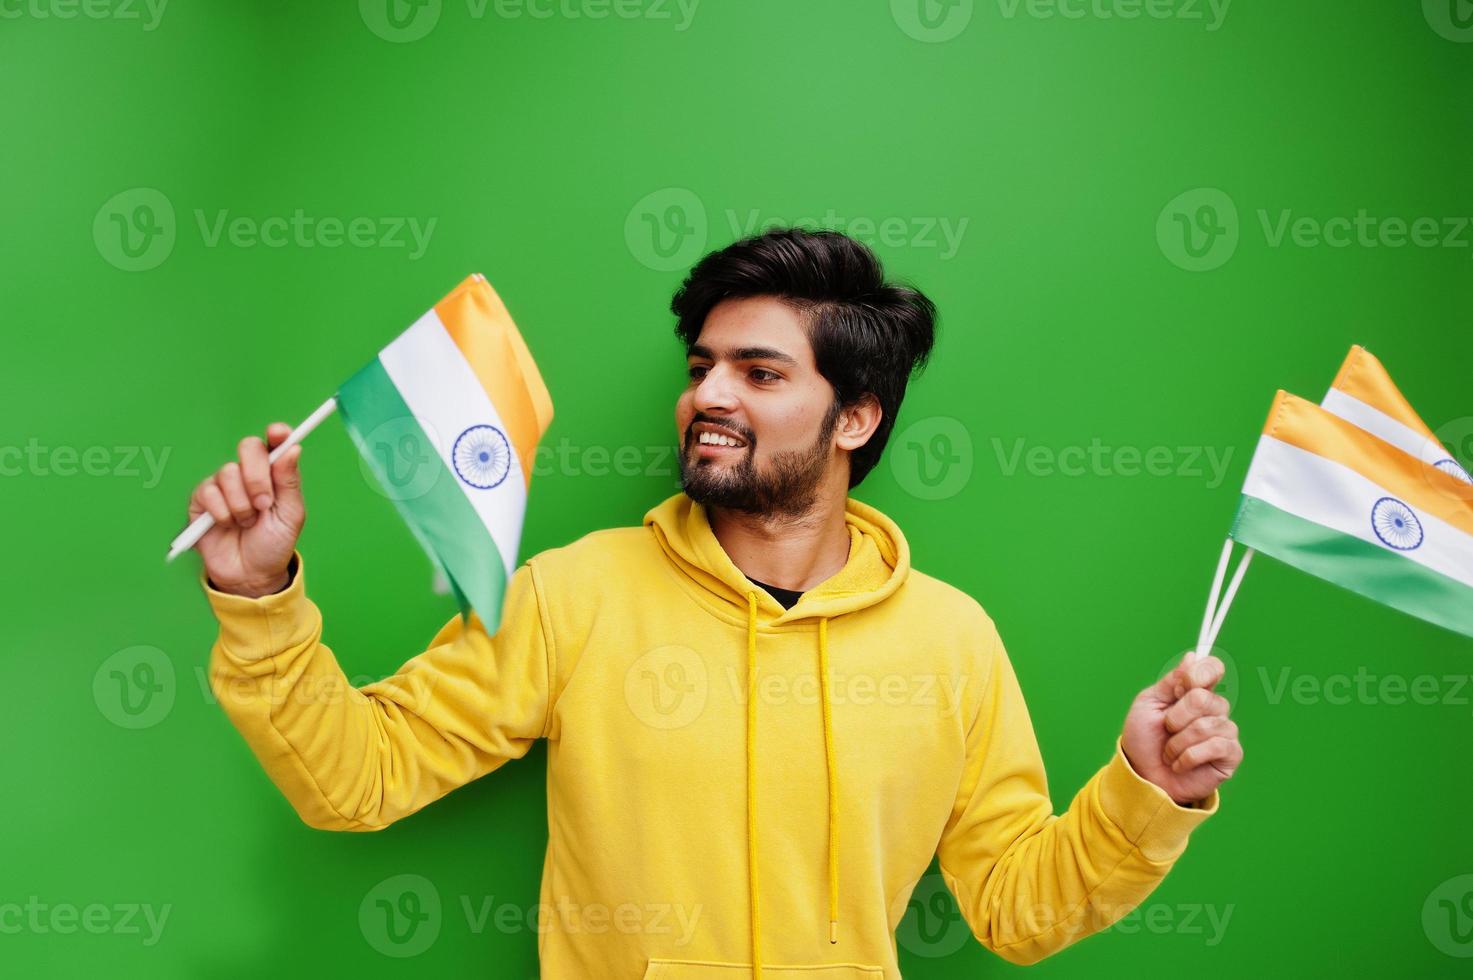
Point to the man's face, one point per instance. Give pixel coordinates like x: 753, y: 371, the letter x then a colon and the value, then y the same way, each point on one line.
x: 752, y: 378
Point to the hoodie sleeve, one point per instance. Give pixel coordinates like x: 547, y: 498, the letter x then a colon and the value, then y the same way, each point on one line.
x: 361, y: 758
x: 1029, y: 882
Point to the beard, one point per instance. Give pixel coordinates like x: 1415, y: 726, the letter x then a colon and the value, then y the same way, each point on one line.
x: 786, y: 487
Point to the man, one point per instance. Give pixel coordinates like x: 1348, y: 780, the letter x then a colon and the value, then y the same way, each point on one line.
x: 762, y: 722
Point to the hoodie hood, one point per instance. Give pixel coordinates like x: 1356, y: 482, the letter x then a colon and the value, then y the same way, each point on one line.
x: 878, y: 563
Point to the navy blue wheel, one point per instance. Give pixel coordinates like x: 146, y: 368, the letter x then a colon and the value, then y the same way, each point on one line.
x: 482, y: 456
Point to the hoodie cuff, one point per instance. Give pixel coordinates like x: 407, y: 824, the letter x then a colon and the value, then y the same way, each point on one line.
x: 1151, y: 819
x: 252, y: 629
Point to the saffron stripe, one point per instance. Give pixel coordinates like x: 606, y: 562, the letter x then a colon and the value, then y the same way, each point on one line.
x: 1425, y: 488
x: 483, y: 330
x: 1364, y: 378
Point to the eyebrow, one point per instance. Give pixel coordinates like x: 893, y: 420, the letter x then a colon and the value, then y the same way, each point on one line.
x: 744, y: 354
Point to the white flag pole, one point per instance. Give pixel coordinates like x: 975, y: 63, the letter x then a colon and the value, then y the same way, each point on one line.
x: 190, y: 536
x: 1200, y: 650
x: 1216, y: 613
x: 1227, y: 599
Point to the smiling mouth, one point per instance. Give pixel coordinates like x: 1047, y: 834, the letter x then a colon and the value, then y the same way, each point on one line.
x: 711, y: 439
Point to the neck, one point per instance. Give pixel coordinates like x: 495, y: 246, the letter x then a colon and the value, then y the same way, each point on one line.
x: 797, y: 551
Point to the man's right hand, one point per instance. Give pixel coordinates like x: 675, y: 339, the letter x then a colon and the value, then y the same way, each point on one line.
x: 258, y: 513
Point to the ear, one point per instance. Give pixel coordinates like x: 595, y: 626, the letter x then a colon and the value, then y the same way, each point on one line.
x: 858, y: 422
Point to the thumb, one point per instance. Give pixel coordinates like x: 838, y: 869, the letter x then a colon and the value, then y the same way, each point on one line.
x: 286, y: 482
x: 1171, y: 687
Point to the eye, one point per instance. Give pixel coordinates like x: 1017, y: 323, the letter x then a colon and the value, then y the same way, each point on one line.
x: 767, y: 375
x: 695, y: 371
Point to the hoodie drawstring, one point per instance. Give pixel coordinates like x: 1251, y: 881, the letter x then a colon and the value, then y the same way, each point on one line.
x: 833, y: 782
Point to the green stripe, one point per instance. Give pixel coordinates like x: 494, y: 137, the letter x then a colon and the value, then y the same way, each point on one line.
x: 1376, y: 573
x: 434, y: 506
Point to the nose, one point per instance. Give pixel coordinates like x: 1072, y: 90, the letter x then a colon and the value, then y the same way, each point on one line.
x: 716, y: 392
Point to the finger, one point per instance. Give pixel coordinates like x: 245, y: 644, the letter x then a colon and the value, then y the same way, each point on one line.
x: 1219, y: 749
x: 213, y: 501
x: 1191, y: 673
x: 276, y: 433
x: 1195, y: 703
x: 233, y: 487
x: 1199, y: 730
x: 255, y: 471
x: 1201, y: 673
x: 1171, y: 686
x: 286, y: 474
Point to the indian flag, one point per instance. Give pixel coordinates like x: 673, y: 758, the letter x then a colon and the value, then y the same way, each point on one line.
x: 1364, y: 395
x: 448, y: 417
x: 1359, y: 491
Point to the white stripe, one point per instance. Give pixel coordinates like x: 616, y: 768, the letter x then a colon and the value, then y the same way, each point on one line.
x: 446, y: 397
x: 1384, y: 427
x: 1337, y: 497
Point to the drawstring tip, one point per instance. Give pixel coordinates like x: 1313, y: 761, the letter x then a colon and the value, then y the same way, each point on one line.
x: 833, y: 930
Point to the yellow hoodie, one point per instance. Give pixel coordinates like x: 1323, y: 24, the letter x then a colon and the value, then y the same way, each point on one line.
x: 728, y: 783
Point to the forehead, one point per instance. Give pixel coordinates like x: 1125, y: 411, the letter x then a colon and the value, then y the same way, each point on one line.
x: 735, y: 326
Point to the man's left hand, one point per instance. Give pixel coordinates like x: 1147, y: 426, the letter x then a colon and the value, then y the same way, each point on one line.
x: 1178, y: 733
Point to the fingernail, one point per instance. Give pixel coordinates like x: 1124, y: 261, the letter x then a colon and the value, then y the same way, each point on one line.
x: 263, y: 501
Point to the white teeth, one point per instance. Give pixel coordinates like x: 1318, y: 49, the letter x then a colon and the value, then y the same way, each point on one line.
x: 716, y: 439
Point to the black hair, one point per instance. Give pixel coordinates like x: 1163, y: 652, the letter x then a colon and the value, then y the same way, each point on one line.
x: 868, y: 336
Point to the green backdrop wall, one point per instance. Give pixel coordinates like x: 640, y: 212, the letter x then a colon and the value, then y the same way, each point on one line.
x: 1127, y: 213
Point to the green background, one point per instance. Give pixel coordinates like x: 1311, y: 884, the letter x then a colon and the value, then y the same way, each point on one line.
x: 535, y: 145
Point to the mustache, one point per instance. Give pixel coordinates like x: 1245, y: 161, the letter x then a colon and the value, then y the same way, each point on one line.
x: 746, y: 434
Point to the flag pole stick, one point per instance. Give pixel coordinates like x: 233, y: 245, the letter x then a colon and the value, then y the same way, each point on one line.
x: 1227, y: 599
x: 190, y: 536
x: 1200, y: 650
